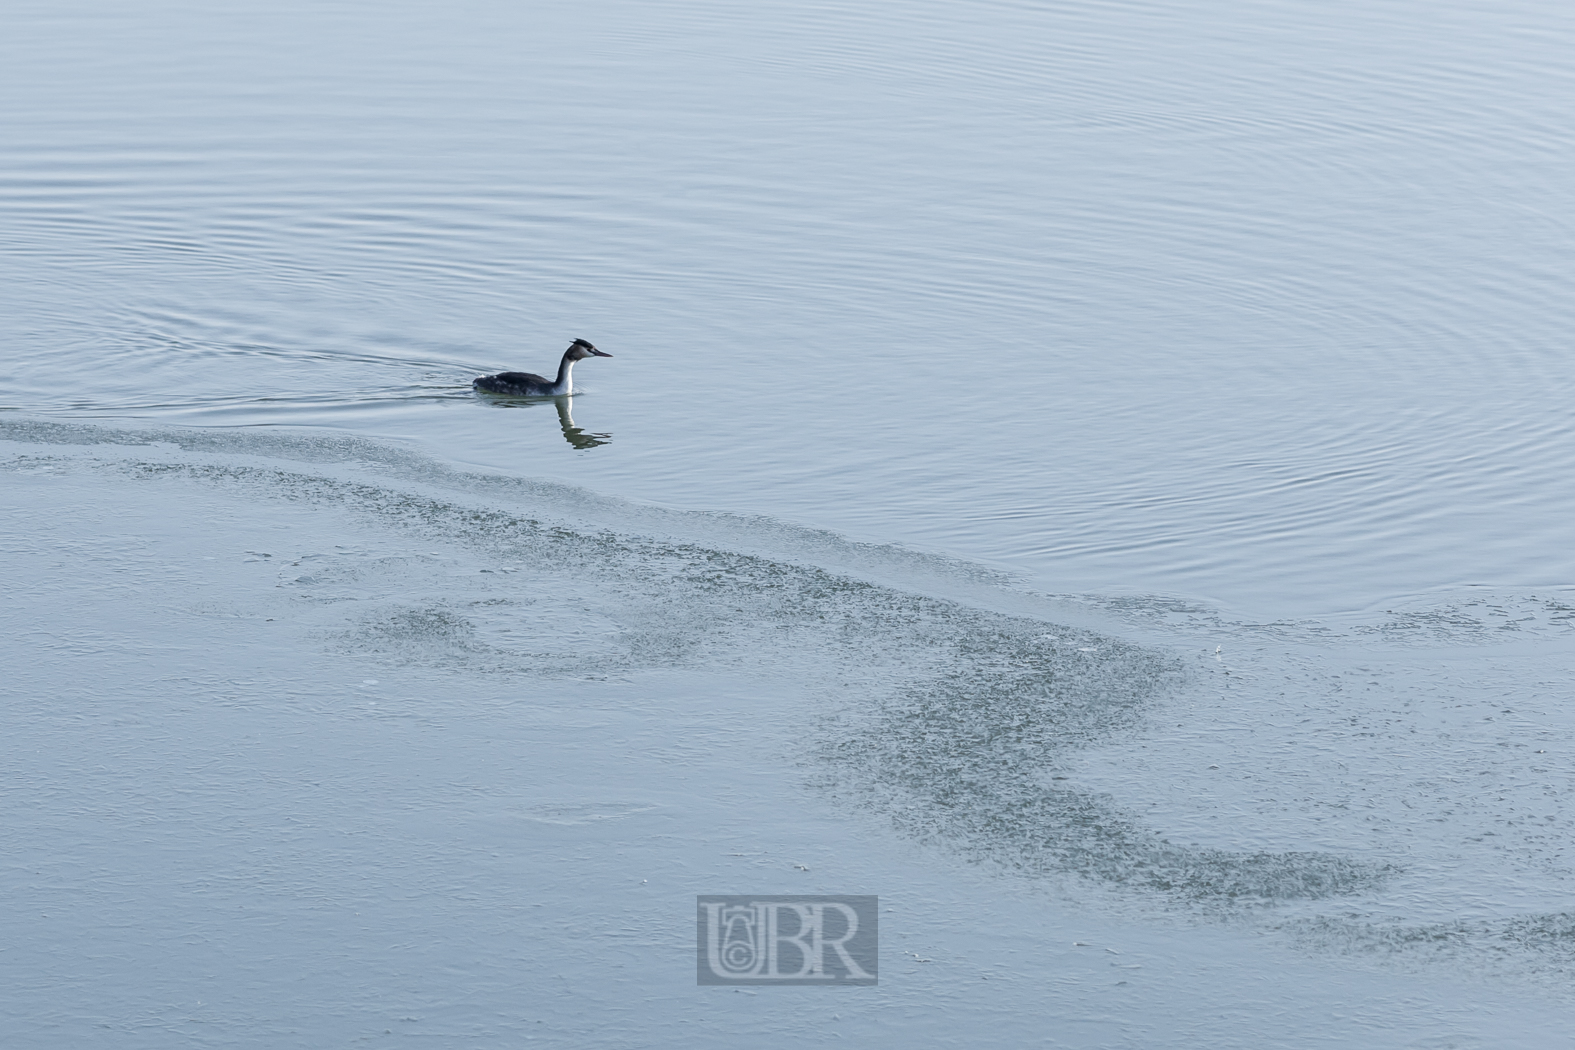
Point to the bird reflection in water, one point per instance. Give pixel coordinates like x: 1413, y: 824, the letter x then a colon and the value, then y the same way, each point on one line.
x: 573, y: 434
x: 576, y: 436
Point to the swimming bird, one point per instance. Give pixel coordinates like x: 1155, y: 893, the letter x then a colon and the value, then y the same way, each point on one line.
x: 529, y: 384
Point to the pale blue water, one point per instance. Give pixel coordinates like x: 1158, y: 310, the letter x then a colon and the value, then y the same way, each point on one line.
x: 1199, y: 315
x: 1265, y: 305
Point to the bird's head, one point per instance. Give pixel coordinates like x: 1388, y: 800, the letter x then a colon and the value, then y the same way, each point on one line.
x: 579, y: 350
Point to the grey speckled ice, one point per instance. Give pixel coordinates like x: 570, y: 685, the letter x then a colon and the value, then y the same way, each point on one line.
x: 282, y: 697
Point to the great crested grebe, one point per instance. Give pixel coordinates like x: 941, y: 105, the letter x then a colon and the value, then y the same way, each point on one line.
x: 529, y: 384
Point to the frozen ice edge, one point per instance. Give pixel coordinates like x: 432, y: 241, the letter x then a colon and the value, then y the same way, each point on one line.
x: 955, y: 754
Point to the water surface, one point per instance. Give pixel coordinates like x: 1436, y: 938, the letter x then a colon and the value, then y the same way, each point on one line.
x: 1262, y: 306
x: 1240, y: 328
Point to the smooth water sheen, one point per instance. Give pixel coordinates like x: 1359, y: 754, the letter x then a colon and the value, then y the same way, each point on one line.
x: 1071, y: 463
x: 1267, y: 306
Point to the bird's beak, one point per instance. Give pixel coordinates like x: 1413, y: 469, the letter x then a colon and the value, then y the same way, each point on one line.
x: 598, y: 353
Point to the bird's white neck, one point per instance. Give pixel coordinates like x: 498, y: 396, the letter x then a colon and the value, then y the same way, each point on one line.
x: 564, y: 384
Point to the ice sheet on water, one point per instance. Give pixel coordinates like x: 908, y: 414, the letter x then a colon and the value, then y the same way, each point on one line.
x: 963, y: 713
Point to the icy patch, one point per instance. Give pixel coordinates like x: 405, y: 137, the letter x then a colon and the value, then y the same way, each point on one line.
x: 1349, y: 795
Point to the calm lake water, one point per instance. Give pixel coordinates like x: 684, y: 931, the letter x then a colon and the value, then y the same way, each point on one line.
x: 1117, y: 340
